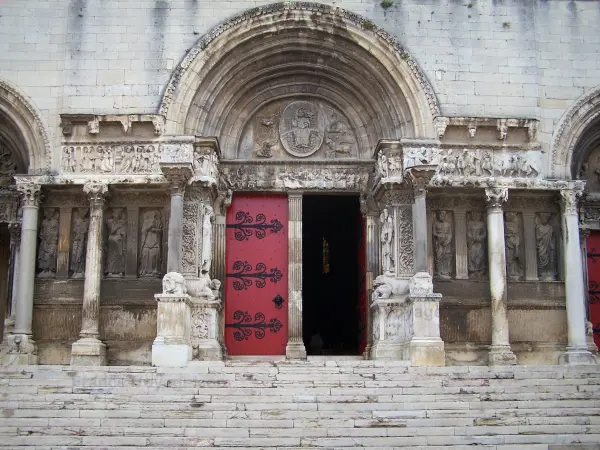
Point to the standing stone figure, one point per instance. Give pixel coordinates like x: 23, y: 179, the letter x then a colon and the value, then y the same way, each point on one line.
x: 382, y: 162
x: 48, y: 244
x: 545, y: 240
x: 476, y: 235
x: 442, y: 245
x: 207, y: 239
x: 79, y: 233
x: 387, y: 243
x: 116, y: 226
x: 151, y: 244
x: 512, y: 237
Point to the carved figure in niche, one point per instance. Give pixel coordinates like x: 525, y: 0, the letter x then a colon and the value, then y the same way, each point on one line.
x: 486, y: 164
x: 476, y: 163
x: 442, y: 245
x: 382, y: 163
x: 512, y: 237
x: 206, y: 256
x: 7, y: 164
x: 48, y: 243
x: 116, y: 226
x: 476, y: 235
x: 545, y: 240
x: 78, y: 247
x: 387, y: 243
x: 460, y: 163
x: 69, y: 160
x: 395, y: 166
x: 127, y: 159
x: 151, y: 239
x: 469, y: 163
x: 108, y: 161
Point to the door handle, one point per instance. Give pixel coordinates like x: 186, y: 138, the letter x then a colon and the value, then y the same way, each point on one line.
x: 278, y: 300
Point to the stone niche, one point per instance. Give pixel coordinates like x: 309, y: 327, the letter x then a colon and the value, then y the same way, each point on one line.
x: 458, y: 262
x: 134, y: 250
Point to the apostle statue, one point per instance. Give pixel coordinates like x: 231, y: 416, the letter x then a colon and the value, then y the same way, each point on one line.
x: 512, y: 238
x: 48, y: 243
x: 151, y: 239
x: 387, y: 243
x: 79, y: 233
x: 545, y: 240
x: 116, y: 226
x: 476, y: 235
x: 442, y: 245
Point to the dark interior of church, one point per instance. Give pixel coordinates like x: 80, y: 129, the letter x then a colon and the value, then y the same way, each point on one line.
x: 330, y: 278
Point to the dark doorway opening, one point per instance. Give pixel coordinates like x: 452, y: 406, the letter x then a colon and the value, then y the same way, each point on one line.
x: 331, y: 236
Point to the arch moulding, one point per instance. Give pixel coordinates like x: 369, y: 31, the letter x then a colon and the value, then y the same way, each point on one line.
x: 401, y: 92
x: 574, y: 123
x: 18, y: 108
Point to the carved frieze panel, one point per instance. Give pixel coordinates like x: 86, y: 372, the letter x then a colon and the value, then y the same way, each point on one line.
x: 455, y: 201
x: 405, y: 241
x: 443, y: 244
x: 300, y: 128
x: 514, y: 246
x: 397, y: 197
x: 48, y: 243
x: 201, y: 323
x: 388, y: 242
x: 8, y: 164
x: 111, y: 158
x: 534, y: 203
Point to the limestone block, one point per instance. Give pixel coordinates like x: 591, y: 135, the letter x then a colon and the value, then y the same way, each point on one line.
x: 172, y: 345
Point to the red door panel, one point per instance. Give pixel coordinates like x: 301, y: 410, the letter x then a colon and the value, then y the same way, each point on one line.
x: 593, y: 263
x: 256, y: 289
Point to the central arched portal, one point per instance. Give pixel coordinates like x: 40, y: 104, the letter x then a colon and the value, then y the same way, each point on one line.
x: 298, y: 95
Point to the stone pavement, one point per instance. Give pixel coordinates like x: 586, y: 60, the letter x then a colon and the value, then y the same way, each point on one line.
x: 310, y: 404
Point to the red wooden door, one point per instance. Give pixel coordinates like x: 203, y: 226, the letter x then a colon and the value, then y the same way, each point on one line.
x: 256, y: 290
x: 593, y: 263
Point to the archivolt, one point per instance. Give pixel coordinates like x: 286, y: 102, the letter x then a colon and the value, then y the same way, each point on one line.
x: 23, y: 130
x: 299, y: 49
x: 578, y: 132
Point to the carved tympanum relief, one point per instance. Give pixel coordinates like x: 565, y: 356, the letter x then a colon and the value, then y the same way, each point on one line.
x: 151, y: 244
x: 546, y: 246
x: 443, y: 248
x: 79, y: 231
x: 48, y: 244
x: 298, y: 128
x: 476, y: 245
x: 116, y: 234
x: 513, y: 239
x: 389, y: 166
x: 387, y: 242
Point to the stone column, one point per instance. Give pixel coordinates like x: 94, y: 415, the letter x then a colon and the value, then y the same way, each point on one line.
x: 219, y: 235
x: 175, y: 226
x: 295, y: 346
x: 22, y: 348
x: 89, y: 350
x: 462, y: 252
x: 577, y: 350
x: 15, y: 239
x: 371, y: 216
x: 500, y: 352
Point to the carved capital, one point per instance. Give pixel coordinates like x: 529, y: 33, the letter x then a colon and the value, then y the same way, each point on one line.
x: 31, y: 193
x: 420, y: 178
x: 223, y: 201
x: 569, y: 201
x: 495, y: 198
x: 95, y: 192
x: 177, y: 175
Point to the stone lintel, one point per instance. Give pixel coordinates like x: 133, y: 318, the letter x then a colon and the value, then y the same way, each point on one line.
x: 92, y: 122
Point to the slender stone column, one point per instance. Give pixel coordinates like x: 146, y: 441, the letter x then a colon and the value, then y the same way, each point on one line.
x: 462, y: 253
x: 577, y: 350
x: 500, y: 352
x: 175, y: 227
x: 220, y: 229
x: 89, y: 350
x: 22, y: 346
x: 15, y: 239
x: 370, y: 214
x: 295, y: 346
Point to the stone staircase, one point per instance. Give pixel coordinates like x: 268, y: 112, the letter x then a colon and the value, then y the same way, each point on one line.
x: 315, y: 403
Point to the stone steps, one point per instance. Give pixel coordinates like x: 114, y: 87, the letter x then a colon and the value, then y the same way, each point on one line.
x: 316, y: 403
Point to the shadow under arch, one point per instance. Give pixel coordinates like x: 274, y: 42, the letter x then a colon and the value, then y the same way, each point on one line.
x: 23, y: 131
x: 577, y: 134
x: 299, y: 49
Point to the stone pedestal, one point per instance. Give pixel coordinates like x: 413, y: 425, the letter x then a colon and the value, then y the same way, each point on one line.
x: 577, y: 348
x: 205, y: 335
x: 426, y: 347
x: 500, y: 352
x: 172, y: 346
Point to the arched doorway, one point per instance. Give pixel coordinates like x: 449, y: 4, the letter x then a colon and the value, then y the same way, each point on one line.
x: 298, y: 96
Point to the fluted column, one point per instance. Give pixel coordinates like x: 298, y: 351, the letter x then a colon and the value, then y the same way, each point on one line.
x: 371, y: 216
x: 22, y: 346
x: 15, y: 241
x: 219, y: 235
x: 295, y: 346
x: 89, y: 350
x: 175, y: 252
x: 577, y: 350
x: 500, y: 352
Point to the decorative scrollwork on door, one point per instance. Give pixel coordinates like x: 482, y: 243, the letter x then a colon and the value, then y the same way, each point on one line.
x: 245, y: 225
x: 245, y: 325
x: 244, y: 274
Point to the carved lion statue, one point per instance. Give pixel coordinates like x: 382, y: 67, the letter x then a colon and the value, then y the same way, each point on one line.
x: 174, y: 283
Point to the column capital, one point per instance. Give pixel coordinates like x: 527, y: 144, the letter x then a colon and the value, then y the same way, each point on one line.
x: 420, y: 177
x: 31, y: 193
x: 178, y: 176
x: 495, y: 198
x: 569, y: 201
x: 96, y: 193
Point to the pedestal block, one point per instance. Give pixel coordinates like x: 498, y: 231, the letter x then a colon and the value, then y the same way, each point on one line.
x: 172, y: 346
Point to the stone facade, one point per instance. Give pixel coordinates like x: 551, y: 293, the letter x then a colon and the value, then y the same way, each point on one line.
x: 471, y: 141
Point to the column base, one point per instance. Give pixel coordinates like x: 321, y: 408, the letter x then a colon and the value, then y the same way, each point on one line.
x: 88, y: 352
x: 577, y: 357
x: 20, y: 350
x: 501, y: 355
x: 209, y: 350
x: 295, y: 350
x: 427, y: 352
x: 387, y: 350
x: 170, y: 355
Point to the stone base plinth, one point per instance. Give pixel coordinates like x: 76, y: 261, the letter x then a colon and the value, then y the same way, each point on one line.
x: 20, y: 349
x: 170, y: 355
x: 209, y: 350
x: 427, y: 352
x: 501, y: 355
x: 88, y: 352
x: 295, y: 350
x: 577, y: 357
x: 387, y: 350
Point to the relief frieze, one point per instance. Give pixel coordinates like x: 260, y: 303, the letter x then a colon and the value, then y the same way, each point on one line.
x: 111, y: 158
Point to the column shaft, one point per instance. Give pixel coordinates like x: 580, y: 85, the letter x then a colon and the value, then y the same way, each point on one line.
x: 460, y: 236
x: 500, y: 352
x: 174, y: 256
x: 218, y: 264
x: 419, y: 210
x: 26, y: 278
